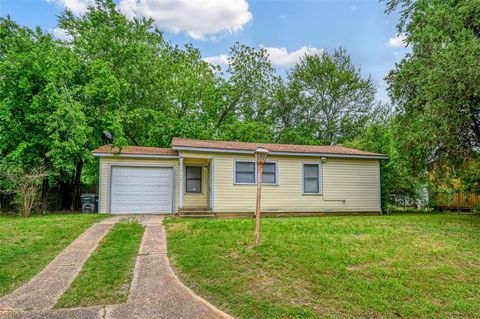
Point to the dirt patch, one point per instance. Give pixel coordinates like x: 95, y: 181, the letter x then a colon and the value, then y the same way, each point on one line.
x: 354, y: 267
x: 178, y: 227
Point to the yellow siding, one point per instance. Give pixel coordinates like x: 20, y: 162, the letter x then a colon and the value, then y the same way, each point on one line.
x: 355, y: 180
x: 104, y: 174
x: 196, y: 200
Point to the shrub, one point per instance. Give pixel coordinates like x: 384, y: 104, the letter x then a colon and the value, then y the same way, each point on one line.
x: 24, y: 183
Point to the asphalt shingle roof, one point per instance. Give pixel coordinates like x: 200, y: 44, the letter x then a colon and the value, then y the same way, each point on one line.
x: 284, y: 148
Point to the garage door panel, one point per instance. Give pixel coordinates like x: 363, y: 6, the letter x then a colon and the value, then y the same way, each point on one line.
x: 141, y: 190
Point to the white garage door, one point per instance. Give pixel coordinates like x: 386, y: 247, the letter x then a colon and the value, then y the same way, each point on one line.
x: 141, y: 190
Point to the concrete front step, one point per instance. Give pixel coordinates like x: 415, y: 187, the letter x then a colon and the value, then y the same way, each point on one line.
x: 195, y: 212
x: 197, y: 216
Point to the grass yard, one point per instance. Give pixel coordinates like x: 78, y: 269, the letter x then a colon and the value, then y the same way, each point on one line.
x: 106, y: 276
x: 400, y: 266
x: 27, y: 245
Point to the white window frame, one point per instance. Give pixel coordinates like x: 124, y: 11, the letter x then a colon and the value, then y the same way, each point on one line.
x: 201, y: 179
x: 276, y: 173
x: 320, y: 178
x: 256, y: 172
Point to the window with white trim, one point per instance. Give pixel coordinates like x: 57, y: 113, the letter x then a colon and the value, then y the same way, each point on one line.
x: 246, y: 172
x: 311, y: 178
x: 193, y: 180
x: 269, y: 173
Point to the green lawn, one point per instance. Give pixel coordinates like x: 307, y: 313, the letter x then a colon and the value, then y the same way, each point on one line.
x: 106, y: 276
x: 400, y: 266
x: 27, y: 245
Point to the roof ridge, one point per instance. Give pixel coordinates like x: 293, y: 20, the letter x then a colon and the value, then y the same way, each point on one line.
x: 283, y: 144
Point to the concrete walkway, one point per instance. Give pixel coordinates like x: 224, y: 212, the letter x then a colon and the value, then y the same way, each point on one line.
x: 44, y: 290
x: 156, y: 291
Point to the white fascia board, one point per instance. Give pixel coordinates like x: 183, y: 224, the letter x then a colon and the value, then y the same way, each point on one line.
x: 220, y: 150
x: 134, y: 155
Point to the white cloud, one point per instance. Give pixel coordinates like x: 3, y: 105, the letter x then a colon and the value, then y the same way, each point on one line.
x: 76, y: 6
x: 200, y: 19
x: 129, y: 8
x: 61, y: 34
x: 281, y: 56
x: 277, y: 56
x: 397, y: 42
x: 221, y: 59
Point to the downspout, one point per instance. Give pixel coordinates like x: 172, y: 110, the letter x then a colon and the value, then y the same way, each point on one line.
x: 380, y: 204
x: 99, y: 187
x: 324, y: 160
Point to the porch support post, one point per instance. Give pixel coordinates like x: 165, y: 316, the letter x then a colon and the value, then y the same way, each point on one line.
x: 212, y: 185
x: 180, y: 205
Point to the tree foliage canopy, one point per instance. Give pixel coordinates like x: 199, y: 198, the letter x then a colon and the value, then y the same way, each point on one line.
x: 436, y: 87
x: 326, y: 100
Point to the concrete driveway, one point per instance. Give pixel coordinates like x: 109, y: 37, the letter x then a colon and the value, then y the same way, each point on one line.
x: 156, y: 292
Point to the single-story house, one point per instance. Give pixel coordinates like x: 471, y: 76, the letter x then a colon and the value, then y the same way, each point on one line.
x: 219, y: 177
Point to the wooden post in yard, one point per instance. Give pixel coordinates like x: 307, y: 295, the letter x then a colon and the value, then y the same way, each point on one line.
x: 261, y: 157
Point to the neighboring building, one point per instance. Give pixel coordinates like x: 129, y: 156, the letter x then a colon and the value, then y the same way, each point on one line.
x: 220, y: 177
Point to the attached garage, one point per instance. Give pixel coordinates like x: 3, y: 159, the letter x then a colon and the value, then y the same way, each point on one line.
x: 141, y: 190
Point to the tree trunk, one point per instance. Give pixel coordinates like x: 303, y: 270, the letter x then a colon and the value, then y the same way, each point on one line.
x: 26, y: 207
x: 64, y: 194
x: 76, y: 186
x: 44, y: 204
x: 64, y: 191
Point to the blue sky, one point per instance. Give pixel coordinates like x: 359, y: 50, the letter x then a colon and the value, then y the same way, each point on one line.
x: 288, y: 29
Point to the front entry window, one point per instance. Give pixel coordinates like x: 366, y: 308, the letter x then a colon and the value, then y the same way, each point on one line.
x: 194, y: 179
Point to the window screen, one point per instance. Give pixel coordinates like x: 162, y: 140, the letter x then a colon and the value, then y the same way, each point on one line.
x: 311, y: 179
x: 245, y: 172
x: 194, y: 179
x: 269, y: 173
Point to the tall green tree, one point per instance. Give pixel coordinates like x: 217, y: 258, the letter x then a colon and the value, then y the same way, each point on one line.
x: 436, y: 86
x: 325, y: 100
x: 41, y: 123
x: 140, y: 87
x: 246, y: 91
